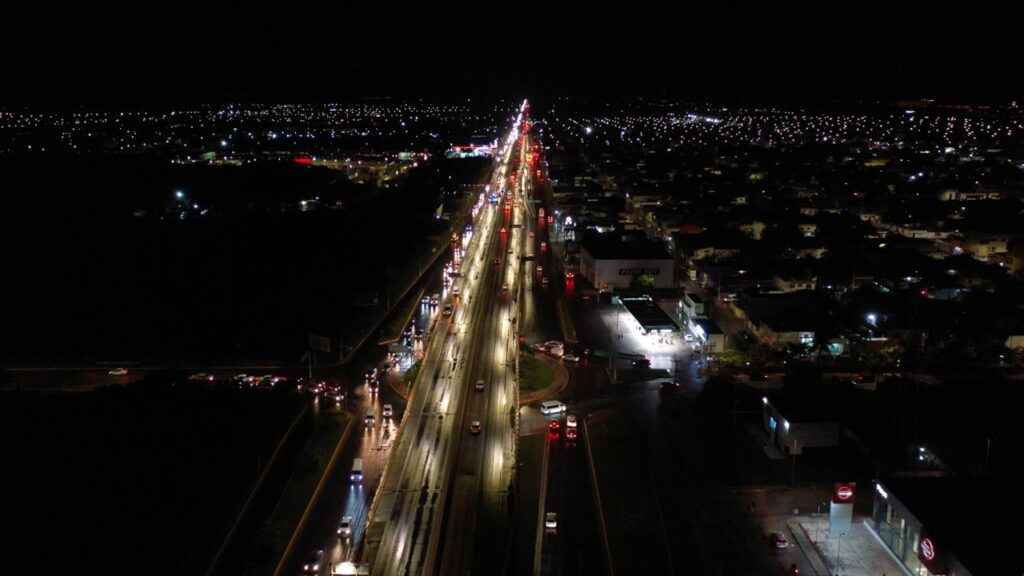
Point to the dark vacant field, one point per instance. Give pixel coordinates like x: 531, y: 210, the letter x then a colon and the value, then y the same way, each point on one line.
x: 85, y: 279
x: 141, y: 480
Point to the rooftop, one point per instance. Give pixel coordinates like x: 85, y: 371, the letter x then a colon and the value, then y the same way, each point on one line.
x: 623, y: 247
x: 649, y: 314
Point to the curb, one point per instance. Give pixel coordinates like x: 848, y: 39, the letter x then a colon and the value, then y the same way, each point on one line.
x: 808, y: 548
x: 565, y: 323
x: 539, y: 541
x: 259, y: 483
x: 286, y: 555
x: 597, y: 497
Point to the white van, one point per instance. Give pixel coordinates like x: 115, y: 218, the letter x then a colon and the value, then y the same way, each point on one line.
x: 551, y: 407
x: 357, y: 470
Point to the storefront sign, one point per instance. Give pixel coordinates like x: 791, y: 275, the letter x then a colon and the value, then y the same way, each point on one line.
x: 930, y: 556
x: 843, y: 492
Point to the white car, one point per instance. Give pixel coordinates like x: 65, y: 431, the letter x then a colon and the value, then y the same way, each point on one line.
x: 570, y: 358
x: 551, y: 407
x: 570, y: 420
x: 551, y: 520
x: 345, y: 527
x: 118, y: 372
x: 688, y: 337
x: 388, y: 411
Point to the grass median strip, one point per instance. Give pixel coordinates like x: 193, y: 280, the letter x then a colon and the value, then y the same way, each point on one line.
x: 410, y: 375
x: 565, y: 321
x: 306, y: 472
x: 534, y: 374
x: 635, y: 533
x: 396, y: 322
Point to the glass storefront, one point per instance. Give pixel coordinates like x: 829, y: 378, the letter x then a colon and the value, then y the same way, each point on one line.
x: 899, y: 535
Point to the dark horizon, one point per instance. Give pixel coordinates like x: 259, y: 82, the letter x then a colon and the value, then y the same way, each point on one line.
x: 105, y: 55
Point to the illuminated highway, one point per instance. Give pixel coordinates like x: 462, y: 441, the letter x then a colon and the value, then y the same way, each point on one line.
x: 405, y: 529
x: 477, y: 530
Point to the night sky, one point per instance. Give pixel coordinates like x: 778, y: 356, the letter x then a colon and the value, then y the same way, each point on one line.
x: 98, y: 53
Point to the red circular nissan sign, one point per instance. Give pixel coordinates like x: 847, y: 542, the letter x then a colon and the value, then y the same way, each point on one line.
x: 844, y: 492
x: 928, y: 549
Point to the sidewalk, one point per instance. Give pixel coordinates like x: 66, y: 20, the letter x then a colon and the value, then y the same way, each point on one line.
x: 860, y: 553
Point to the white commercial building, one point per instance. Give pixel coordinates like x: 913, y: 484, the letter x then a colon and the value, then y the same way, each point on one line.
x: 611, y: 263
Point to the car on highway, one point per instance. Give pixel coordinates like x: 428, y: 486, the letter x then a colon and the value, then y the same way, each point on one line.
x: 497, y: 261
x: 543, y: 245
x: 551, y: 407
x: 388, y: 411
x: 540, y: 268
x: 474, y: 427
x: 569, y: 274
x: 531, y: 234
x: 688, y: 337
x: 570, y: 420
x: 511, y: 251
x: 313, y: 562
x: 544, y: 281
x: 479, y: 385
x: 642, y: 362
x: 504, y: 287
x: 455, y: 291
x: 777, y: 540
x: 118, y: 372
x: 370, y: 374
x: 435, y: 299
x: 447, y: 309
x: 554, y: 426
x: 374, y: 386
x: 570, y: 358
x: 345, y: 527
x: 551, y: 520
x: 425, y: 300
x: 551, y: 343
x: 570, y: 433
x: 668, y: 386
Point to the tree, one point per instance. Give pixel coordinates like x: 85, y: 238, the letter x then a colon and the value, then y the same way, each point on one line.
x: 759, y: 355
x: 642, y: 282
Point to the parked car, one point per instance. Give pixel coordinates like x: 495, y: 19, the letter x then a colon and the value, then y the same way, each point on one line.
x: 778, y: 540
x: 642, y: 362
